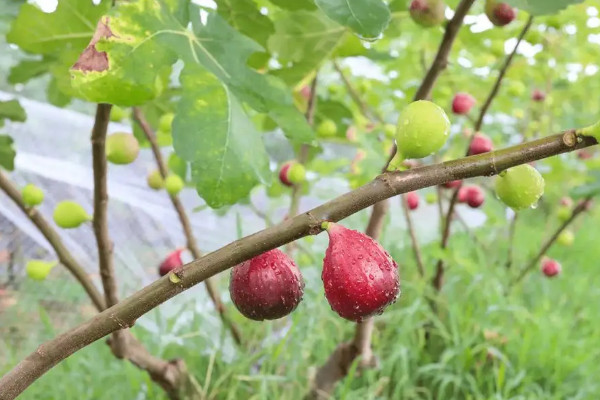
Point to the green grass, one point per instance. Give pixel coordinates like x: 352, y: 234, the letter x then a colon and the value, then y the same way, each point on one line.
x: 551, y: 330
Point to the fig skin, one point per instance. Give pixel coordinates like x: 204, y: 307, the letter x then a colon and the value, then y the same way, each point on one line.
x: 551, y: 267
x: 172, y: 261
x: 268, y: 286
x: 480, y: 144
x: 427, y: 13
x: 359, y: 276
x: 462, y: 103
x: 412, y: 200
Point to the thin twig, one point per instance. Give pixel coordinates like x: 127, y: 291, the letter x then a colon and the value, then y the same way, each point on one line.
x: 362, y: 105
x: 413, y: 237
x: 511, y: 240
x: 191, y: 243
x: 579, y: 209
x: 384, y: 186
x: 438, y: 279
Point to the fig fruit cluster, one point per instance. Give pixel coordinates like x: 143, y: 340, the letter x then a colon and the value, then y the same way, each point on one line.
x: 359, y: 276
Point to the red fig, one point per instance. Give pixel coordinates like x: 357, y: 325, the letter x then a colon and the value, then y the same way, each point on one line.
x: 475, y: 196
x: 172, y: 261
x: 480, y: 144
x: 452, y: 184
x: 566, y: 201
x: 500, y: 13
x: 551, y: 267
x: 268, y: 286
x: 412, y: 200
x: 538, y: 95
x: 360, y: 277
x: 462, y: 103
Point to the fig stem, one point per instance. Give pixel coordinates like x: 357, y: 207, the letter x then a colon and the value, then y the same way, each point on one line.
x: 325, y: 225
x: 593, y: 130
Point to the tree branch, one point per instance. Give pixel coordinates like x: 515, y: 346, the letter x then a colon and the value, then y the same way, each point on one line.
x: 387, y: 185
x: 438, y: 280
x: 579, y: 209
x: 191, y: 242
x: 64, y: 256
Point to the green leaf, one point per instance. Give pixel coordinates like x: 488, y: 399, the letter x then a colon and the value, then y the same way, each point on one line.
x: 211, y: 130
x: 542, y: 7
x: 350, y: 46
x: 12, y: 110
x: 71, y: 25
x: 28, y: 69
x: 177, y: 165
x: 244, y: 16
x: 295, y: 4
x: 7, y: 152
x: 591, y: 189
x: 368, y: 18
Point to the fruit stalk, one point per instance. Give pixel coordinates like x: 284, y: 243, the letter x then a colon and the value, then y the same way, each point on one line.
x: 579, y: 209
x: 191, y: 244
x: 308, y: 223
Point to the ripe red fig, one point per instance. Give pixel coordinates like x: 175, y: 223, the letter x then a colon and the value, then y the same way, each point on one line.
x: 268, y: 286
x: 172, y: 261
x: 462, y: 103
x: 360, y: 277
x: 551, y: 267
x: 566, y: 201
x: 538, y: 95
x: 500, y: 13
x: 480, y: 144
x: 412, y: 200
x: 463, y: 194
x: 453, y: 184
x: 475, y: 196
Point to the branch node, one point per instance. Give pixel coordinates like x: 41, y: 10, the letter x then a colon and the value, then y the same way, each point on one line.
x: 570, y: 138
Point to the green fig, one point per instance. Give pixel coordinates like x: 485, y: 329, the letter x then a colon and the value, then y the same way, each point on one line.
x: 32, y: 195
x: 155, y: 180
x: 430, y: 198
x: 566, y: 238
x: 520, y: 187
x: 39, y: 269
x: 117, y: 114
x: 327, y: 128
x: 563, y: 213
x: 427, y: 13
x: 69, y: 214
x: 174, y: 184
x: 122, y: 148
x: 423, y: 128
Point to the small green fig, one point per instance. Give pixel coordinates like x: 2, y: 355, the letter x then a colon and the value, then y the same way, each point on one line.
x: 520, y: 187
x: 32, y: 195
x: 117, y: 114
x: 423, y: 128
x: 292, y: 173
x: 430, y: 198
x: 39, y: 269
x: 174, y: 184
x: 389, y: 130
x: 69, y: 214
x: 563, y: 213
x: 327, y: 128
x: 155, y: 180
x: 122, y: 148
x: 566, y: 238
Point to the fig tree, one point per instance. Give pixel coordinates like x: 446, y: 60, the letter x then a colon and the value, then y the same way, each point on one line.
x: 39, y: 269
x: 520, y: 187
x: 32, y: 195
x: 122, y: 148
x: 268, y: 286
x: 359, y: 276
x: 423, y: 128
x: 69, y: 214
x: 427, y: 13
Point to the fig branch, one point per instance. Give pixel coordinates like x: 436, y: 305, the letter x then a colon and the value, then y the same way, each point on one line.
x: 579, y: 209
x: 191, y: 242
x: 390, y: 184
x: 438, y: 280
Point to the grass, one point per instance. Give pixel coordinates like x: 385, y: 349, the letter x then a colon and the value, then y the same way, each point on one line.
x: 542, y: 340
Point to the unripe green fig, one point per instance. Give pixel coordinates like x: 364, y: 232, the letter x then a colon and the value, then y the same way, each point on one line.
x: 423, y: 128
x: 292, y: 173
x: 32, y: 195
x: 69, y: 214
x: 566, y: 238
x: 39, y: 269
x: 174, y: 184
x: 427, y: 13
x: 430, y: 198
x: 520, y: 187
x: 122, y: 148
x: 165, y: 122
x: 563, y: 214
x: 516, y: 89
x: 389, y: 130
x: 155, y: 180
x: 327, y: 128
x: 117, y: 114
